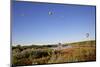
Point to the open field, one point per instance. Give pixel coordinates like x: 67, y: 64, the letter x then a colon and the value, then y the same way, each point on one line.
x: 48, y: 54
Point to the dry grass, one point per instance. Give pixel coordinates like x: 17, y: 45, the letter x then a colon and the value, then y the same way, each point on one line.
x: 81, y: 51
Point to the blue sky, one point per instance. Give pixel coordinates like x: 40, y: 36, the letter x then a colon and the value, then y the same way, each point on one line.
x: 32, y: 24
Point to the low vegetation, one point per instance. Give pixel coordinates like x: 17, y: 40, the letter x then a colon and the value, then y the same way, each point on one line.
x: 78, y: 52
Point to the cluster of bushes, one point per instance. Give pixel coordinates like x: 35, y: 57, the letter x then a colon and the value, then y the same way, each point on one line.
x: 29, y: 56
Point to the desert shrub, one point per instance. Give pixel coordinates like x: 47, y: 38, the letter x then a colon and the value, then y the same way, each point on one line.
x: 14, y: 60
x: 41, y: 53
x: 16, y: 51
x: 42, y: 60
x: 26, y: 53
x: 22, y: 58
x: 23, y: 61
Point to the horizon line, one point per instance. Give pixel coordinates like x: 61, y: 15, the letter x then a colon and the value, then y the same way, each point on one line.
x: 52, y: 43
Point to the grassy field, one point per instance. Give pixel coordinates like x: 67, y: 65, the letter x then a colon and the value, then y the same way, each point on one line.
x: 46, y: 54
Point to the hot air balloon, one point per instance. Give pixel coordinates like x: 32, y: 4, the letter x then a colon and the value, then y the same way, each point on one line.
x: 50, y: 13
x: 87, y: 35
